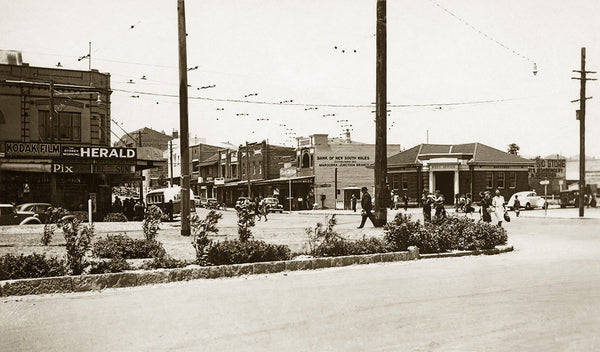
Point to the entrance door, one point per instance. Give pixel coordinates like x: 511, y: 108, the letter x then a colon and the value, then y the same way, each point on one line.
x: 444, y: 181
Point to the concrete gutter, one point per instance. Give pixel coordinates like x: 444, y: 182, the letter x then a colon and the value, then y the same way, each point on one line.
x: 65, y: 284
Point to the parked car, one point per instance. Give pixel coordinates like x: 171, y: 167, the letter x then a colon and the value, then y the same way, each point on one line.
x: 9, y: 216
x: 273, y: 204
x: 212, y: 203
x: 527, y: 199
x: 569, y: 198
x: 198, y: 202
x: 40, y: 211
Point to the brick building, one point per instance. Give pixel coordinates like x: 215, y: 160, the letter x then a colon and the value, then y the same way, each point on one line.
x: 457, y: 169
x: 55, y: 138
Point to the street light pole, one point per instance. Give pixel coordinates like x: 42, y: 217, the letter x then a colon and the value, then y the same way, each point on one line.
x: 381, y: 195
x: 183, y: 121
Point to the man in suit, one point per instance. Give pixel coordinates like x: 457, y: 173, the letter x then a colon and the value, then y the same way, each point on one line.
x: 367, y: 206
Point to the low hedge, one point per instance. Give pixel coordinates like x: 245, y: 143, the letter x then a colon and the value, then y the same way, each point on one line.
x: 251, y: 251
x: 123, y: 246
x: 30, y: 266
x: 452, y: 233
x: 339, y: 247
x: 115, y: 217
x: 113, y: 265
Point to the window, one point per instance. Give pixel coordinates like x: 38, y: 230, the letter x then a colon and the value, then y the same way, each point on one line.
x: 489, y: 180
x: 404, y: 181
x: 500, y: 179
x: 259, y: 168
x: 223, y: 171
x: 305, y: 160
x: 512, y: 180
x: 234, y: 171
x: 104, y: 134
x: 254, y: 168
x: 67, y: 127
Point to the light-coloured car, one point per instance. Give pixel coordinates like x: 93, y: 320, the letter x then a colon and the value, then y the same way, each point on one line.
x: 527, y: 199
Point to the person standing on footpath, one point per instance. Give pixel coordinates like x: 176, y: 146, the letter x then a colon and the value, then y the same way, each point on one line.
x: 517, y: 206
x: 486, y: 204
x: 353, y: 200
x: 440, y: 211
x: 426, y: 200
x: 405, y: 201
x: 499, y: 207
x: 367, y: 206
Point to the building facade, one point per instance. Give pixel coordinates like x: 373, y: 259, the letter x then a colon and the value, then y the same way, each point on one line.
x: 55, y: 139
x: 339, y: 167
x: 457, y: 170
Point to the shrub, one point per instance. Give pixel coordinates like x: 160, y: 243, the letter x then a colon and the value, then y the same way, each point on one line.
x: 452, y: 233
x: 164, y: 262
x: 79, y: 239
x: 113, y: 265
x: 245, y: 222
x: 151, y: 223
x: 30, y: 266
x: 115, y: 217
x: 53, y: 217
x: 115, y: 246
x: 201, y: 229
x: 250, y: 251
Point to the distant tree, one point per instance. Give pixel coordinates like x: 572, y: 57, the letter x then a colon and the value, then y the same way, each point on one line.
x: 513, y: 149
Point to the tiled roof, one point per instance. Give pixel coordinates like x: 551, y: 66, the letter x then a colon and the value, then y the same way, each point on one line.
x: 480, y: 153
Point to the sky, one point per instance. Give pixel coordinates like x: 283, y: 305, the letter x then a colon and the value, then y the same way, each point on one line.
x: 458, y: 71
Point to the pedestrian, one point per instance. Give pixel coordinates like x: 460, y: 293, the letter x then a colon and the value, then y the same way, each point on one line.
x: 169, y: 208
x: 367, y: 206
x: 353, y: 202
x: 499, y: 207
x: 468, y: 208
x: 264, y: 209
x: 257, y: 207
x: 405, y: 201
x: 486, y: 204
x: 426, y: 200
x: 396, y: 201
x: 117, y: 206
x: 139, y: 211
x: 517, y: 206
x: 438, y: 201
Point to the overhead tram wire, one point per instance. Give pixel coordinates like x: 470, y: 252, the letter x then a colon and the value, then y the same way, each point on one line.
x: 482, y: 33
x: 475, y: 102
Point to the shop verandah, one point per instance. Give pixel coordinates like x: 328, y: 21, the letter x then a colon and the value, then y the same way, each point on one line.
x: 294, y: 191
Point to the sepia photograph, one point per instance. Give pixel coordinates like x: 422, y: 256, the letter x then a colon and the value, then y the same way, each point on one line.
x: 287, y: 175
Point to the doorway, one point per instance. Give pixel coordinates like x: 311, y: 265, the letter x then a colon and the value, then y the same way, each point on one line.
x: 444, y: 181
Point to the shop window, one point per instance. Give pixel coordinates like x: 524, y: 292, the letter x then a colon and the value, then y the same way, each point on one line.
x: 500, y: 180
x: 489, y: 180
x: 404, y: 181
x: 512, y: 180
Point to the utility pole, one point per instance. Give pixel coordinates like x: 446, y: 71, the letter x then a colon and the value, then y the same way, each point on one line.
x: 183, y: 121
x: 581, y: 118
x: 381, y: 196
x: 248, y: 168
x: 52, y: 111
x: 171, y: 160
x: 139, y: 144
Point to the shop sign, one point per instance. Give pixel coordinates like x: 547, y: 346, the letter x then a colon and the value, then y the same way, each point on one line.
x: 99, y: 152
x: 113, y: 169
x: 550, y: 168
x: 343, y: 160
x: 219, y: 180
x: 32, y: 149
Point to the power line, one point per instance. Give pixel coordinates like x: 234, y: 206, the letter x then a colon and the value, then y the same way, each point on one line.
x: 319, y: 105
x: 482, y: 33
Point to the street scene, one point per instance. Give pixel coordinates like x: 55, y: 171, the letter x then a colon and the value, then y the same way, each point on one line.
x: 314, y: 176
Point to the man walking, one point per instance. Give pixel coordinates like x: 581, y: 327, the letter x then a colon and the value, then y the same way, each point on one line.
x: 426, y: 200
x: 367, y: 206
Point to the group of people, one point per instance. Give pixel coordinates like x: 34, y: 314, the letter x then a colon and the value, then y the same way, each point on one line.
x: 495, y: 205
x: 260, y: 207
x: 433, y: 202
x: 132, y: 209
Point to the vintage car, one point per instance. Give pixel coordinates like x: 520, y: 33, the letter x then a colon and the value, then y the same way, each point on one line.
x: 9, y: 216
x: 40, y: 210
x: 569, y: 198
x: 527, y: 199
x: 273, y: 205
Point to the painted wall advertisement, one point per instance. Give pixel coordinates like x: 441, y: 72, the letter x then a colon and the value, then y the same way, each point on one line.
x: 343, y: 161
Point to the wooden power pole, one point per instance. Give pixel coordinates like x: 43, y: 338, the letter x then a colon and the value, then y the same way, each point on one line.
x: 183, y: 121
x: 581, y: 116
x: 381, y: 193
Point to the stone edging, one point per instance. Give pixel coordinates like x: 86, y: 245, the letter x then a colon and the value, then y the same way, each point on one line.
x: 497, y: 250
x: 64, y: 284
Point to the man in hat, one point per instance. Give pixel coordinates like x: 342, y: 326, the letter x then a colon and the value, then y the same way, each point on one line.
x: 367, y: 206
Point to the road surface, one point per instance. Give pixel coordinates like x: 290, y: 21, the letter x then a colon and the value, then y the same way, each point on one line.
x: 544, y: 296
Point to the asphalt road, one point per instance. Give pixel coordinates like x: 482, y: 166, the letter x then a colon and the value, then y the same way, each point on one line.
x: 544, y: 296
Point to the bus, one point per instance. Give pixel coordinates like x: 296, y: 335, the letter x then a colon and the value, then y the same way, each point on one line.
x: 162, y: 196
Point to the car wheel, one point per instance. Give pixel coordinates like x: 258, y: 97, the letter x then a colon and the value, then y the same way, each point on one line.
x: 528, y: 206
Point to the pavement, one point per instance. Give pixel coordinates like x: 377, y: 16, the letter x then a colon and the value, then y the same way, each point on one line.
x: 541, y: 297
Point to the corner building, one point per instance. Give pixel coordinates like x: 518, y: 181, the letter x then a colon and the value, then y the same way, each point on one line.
x: 457, y: 169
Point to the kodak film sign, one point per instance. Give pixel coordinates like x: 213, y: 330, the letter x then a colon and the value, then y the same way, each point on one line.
x: 45, y: 150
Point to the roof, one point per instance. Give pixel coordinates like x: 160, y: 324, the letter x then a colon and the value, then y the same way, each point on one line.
x: 478, y: 153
